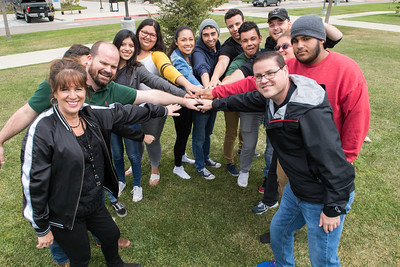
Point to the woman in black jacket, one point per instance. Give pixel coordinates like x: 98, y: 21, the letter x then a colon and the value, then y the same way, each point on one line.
x: 66, y: 164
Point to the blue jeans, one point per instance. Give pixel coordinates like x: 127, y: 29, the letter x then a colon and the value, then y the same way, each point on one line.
x: 269, y: 150
x: 203, y: 124
x: 292, y: 215
x: 132, y: 150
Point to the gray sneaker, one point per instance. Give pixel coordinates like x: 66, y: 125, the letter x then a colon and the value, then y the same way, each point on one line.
x: 212, y: 163
x: 206, y: 174
x: 260, y: 208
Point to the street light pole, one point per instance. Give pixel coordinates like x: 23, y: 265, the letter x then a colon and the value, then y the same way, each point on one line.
x: 126, y: 11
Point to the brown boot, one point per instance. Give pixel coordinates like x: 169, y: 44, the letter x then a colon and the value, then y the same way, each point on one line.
x: 64, y: 265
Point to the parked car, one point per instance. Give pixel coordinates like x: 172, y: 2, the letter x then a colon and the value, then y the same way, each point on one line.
x: 28, y: 9
x: 266, y: 2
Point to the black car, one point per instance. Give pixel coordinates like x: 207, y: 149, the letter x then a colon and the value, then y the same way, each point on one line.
x: 28, y: 9
x: 266, y: 2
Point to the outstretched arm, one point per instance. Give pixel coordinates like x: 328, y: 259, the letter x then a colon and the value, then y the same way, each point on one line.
x: 162, y: 98
x: 220, y: 68
x: 15, y: 124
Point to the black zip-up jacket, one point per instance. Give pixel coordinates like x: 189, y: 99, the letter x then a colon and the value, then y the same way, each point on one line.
x: 53, y: 164
x: 306, y: 141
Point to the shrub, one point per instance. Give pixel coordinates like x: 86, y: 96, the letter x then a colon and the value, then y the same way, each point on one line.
x: 183, y: 13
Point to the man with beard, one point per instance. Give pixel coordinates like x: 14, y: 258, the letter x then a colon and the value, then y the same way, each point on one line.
x: 278, y: 24
x: 101, y: 66
x: 298, y: 120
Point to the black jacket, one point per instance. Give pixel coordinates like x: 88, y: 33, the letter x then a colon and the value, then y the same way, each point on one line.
x: 53, y: 164
x: 306, y: 141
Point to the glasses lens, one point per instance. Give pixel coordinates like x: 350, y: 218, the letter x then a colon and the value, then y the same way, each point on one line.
x: 285, y: 46
x: 277, y: 47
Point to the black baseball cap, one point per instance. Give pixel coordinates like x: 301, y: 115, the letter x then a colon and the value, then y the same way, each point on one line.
x: 280, y: 13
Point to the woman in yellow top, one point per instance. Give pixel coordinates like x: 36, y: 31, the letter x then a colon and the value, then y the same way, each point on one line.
x: 152, y: 55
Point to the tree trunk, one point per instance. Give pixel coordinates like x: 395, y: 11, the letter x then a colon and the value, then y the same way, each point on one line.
x: 3, y: 9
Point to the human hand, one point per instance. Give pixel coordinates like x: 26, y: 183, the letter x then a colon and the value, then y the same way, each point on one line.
x: 193, y: 90
x: 328, y: 223
x: 191, y: 103
x: 213, y: 84
x: 148, y: 139
x: 206, y: 94
x: 172, y: 110
x: 205, y: 105
x: 2, y: 159
x: 45, y: 241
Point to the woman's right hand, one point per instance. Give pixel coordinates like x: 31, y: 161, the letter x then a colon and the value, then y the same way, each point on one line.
x: 45, y: 241
x: 172, y: 110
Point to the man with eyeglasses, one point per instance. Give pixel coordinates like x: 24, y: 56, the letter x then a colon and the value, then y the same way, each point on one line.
x: 299, y: 122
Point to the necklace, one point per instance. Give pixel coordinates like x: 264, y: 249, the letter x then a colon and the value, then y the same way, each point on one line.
x: 79, y: 123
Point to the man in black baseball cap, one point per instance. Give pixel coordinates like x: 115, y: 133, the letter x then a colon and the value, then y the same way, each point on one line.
x: 278, y: 23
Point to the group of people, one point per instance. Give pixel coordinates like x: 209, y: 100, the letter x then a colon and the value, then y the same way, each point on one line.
x: 313, y: 103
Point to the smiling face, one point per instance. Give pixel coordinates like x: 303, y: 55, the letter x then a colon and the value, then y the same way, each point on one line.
x: 70, y: 99
x: 126, y: 49
x: 285, y: 47
x: 185, y: 42
x: 103, y: 66
x: 147, y: 37
x: 233, y: 25
x: 209, y: 35
x: 275, y: 88
x: 250, y: 42
x: 277, y: 27
x: 307, y: 49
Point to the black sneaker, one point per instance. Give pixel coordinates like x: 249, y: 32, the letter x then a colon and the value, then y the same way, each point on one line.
x: 231, y: 168
x: 132, y: 265
x: 260, y: 208
x: 119, y: 208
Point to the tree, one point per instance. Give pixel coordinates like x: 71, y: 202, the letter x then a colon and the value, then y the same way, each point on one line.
x: 70, y: 3
x: 4, y: 11
x: 175, y: 13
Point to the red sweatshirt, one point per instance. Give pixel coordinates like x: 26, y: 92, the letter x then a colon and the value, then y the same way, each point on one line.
x: 347, y: 92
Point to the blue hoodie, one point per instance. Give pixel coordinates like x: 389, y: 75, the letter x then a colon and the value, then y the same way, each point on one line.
x: 204, y: 59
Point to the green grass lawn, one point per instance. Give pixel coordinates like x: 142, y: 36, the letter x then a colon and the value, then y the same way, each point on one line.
x: 28, y: 42
x: 209, y: 223
x: 344, y: 9
x: 391, y: 18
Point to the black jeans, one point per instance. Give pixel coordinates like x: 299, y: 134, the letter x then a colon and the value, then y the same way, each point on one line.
x: 183, y: 127
x: 75, y: 243
x: 271, y: 195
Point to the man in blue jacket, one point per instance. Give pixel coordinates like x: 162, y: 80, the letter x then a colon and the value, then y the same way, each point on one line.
x: 204, y: 58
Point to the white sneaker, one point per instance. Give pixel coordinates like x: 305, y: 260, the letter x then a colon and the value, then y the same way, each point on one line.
x: 121, y: 187
x: 180, y: 171
x: 186, y: 159
x: 243, y: 179
x: 367, y: 140
x: 128, y: 171
x: 137, y: 193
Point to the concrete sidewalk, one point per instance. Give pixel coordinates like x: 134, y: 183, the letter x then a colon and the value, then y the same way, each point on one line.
x: 38, y: 57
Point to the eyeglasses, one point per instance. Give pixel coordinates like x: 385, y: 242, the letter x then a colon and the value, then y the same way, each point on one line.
x: 284, y: 47
x: 269, y: 75
x: 152, y: 36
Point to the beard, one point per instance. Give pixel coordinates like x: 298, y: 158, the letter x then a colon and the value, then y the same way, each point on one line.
x: 96, y: 79
x: 314, y: 53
